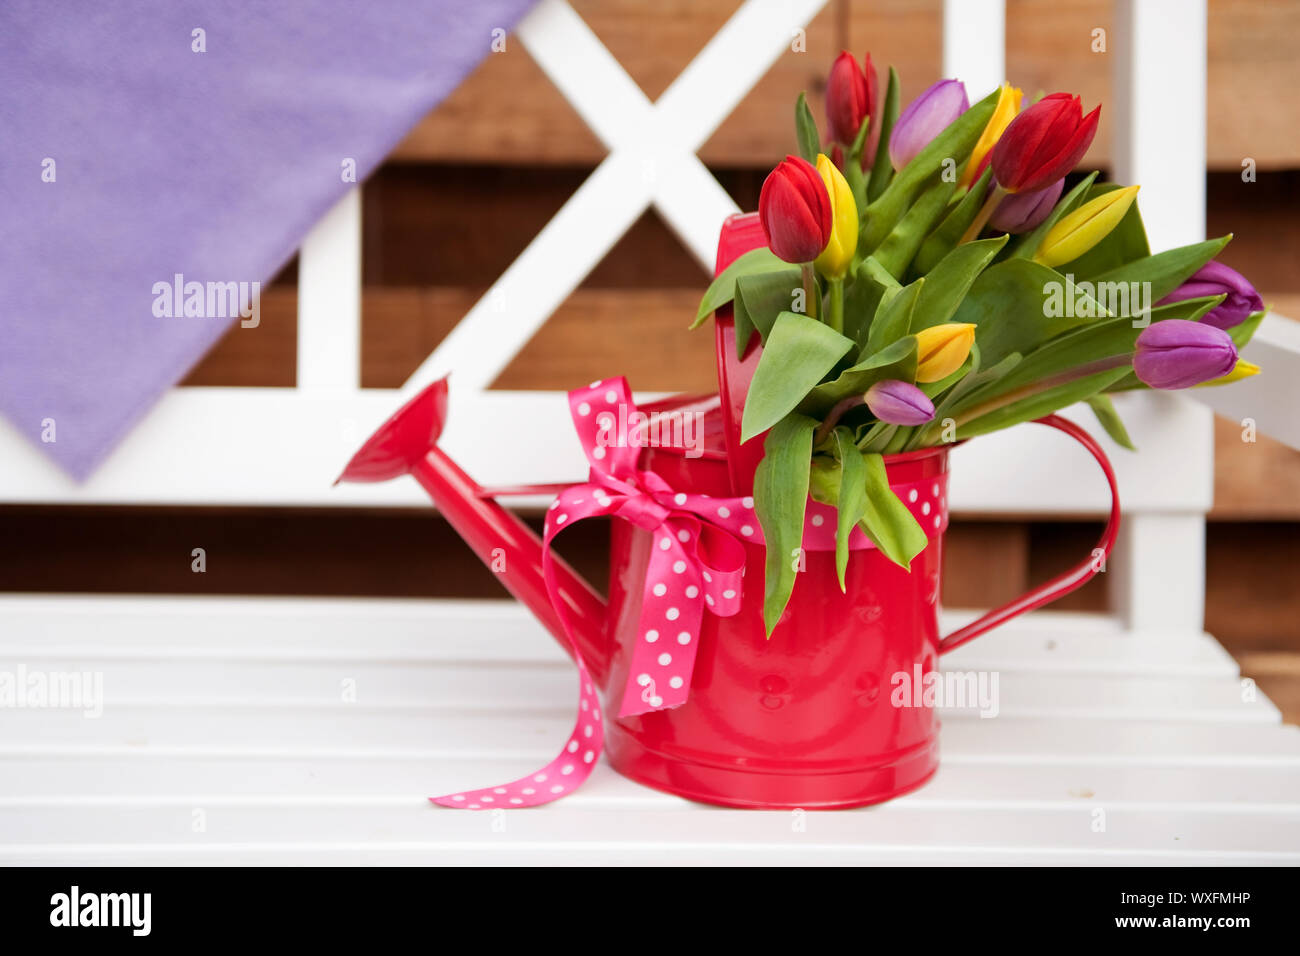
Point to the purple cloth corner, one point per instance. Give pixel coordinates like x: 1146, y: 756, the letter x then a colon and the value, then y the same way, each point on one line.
x: 214, y: 165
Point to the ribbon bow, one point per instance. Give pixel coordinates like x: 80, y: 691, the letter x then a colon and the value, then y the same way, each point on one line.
x: 697, y: 561
x: 696, y: 558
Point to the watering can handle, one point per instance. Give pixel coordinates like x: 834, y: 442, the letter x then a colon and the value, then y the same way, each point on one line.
x: 1062, y: 584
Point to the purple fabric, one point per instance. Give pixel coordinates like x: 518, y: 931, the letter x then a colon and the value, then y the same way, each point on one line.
x: 214, y: 165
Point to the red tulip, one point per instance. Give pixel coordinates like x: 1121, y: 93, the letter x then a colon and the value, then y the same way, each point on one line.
x: 1043, y: 143
x: 795, y: 211
x: 850, y: 95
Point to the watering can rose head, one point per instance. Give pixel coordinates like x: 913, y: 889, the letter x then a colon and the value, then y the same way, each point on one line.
x: 1043, y: 143
x: 795, y: 211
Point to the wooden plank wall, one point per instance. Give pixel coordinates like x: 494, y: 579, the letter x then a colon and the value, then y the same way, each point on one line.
x: 471, y: 185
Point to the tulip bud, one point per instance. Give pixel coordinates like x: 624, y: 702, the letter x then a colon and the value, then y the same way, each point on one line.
x: 1043, y: 143
x: 899, y: 403
x: 925, y: 118
x: 836, y: 258
x: 941, y: 349
x: 795, y: 211
x: 1242, y: 369
x: 1009, y: 98
x: 1214, y: 278
x: 1177, y: 353
x: 1021, y: 212
x: 850, y: 97
x: 1082, y: 229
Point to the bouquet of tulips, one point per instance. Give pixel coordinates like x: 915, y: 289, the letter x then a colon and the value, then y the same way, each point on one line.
x: 928, y: 278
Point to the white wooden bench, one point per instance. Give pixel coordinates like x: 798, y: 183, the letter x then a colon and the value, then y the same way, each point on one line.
x: 310, y: 731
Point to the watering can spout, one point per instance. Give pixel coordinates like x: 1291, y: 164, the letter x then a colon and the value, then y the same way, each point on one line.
x: 407, y: 444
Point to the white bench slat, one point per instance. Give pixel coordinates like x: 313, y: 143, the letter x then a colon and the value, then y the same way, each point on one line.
x: 416, y: 630
x: 138, y: 692
x: 106, y: 781
x: 676, y: 830
x: 498, y: 735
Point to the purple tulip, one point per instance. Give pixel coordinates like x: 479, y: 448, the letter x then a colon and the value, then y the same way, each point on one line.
x: 899, y: 403
x: 1214, y: 278
x: 1021, y: 212
x: 925, y: 118
x: 1177, y: 353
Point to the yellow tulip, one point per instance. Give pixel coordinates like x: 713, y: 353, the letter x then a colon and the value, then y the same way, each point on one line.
x: 836, y: 258
x: 1009, y: 98
x: 1242, y: 369
x: 1082, y: 229
x: 941, y: 349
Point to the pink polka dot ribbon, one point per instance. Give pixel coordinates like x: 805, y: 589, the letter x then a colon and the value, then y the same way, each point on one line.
x: 696, y: 557
x: 697, y: 563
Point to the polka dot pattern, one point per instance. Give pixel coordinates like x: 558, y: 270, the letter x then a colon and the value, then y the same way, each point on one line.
x: 927, y: 499
x: 696, y: 563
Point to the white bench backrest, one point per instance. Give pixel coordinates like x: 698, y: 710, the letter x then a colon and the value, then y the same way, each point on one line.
x: 217, y: 446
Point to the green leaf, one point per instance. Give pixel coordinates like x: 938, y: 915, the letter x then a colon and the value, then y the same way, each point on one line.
x: 1109, y: 419
x: 805, y: 128
x: 1123, y: 244
x: 1166, y: 271
x: 881, y: 170
x: 898, y: 249
x: 955, y: 143
x: 761, y: 297
x: 886, y: 520
x: 1101, y: 340
x: 1243, y: 333
x: 949, y: 281
x: 897, y: 361
x: 780, y: 497
x: 1018, y: 304
x: 862, y: 298
x: 799, y: 351
x: 852, y: 497
x: 978, y: 377
x: 723, y: 289
x: 1041, y: 403
x: 1025, y: 246
x: 948, y: 235
x: 875, y: 435
x: 894, y: 317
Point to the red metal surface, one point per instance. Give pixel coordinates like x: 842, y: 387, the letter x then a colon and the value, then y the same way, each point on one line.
x: 803, y: 719
x: 1071, y: 580
x: 407, y: 444
x: 740, y: 234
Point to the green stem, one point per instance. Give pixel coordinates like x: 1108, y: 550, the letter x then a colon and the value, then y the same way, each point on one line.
x: 996, y: 195
x: 835, y: 314
x: 812, y: 296
x: 1027, y: 391
x: 834, y: 415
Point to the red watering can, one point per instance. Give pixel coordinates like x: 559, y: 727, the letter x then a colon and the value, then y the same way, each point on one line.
x: 808, y: 718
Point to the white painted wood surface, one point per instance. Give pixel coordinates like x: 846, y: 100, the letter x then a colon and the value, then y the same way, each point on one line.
x: 232, y: 708
x: 973, y: 47
x: 230, y: 712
